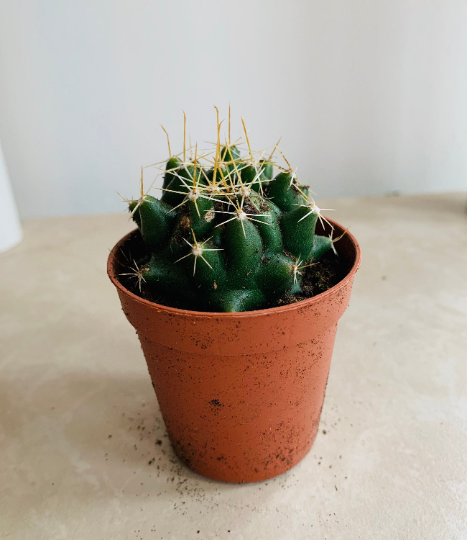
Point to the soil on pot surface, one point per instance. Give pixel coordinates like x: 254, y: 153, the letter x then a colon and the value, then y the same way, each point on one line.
x: 327, y: 272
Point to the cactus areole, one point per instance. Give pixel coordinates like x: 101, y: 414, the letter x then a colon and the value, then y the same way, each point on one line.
x: 230, y: 232
x: 211, y: 283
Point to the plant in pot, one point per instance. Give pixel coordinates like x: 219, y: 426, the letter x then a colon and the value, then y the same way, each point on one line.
x: 235, y: 283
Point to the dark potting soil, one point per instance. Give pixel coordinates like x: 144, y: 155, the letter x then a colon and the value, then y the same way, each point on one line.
x: 320, y: 277
x: 327, y: 272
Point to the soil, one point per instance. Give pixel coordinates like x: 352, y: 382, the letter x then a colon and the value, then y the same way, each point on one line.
x: 319, y: 278
x: 316, y: 279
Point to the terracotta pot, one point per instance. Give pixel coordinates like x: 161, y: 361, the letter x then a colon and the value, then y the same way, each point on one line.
x: 240, y: 393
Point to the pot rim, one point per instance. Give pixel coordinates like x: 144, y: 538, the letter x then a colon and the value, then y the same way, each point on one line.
x: 238, y: 314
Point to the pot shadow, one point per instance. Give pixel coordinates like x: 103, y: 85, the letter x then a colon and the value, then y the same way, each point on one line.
x: 105, y: 431
x: 91, y: 412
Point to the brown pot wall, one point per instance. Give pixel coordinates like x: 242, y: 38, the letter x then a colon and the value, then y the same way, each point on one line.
x: 241, y: 393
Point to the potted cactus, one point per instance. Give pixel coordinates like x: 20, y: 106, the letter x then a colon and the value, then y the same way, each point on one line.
x: 224, y: 282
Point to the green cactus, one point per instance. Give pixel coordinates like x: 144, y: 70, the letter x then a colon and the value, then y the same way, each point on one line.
x: 226, y: 235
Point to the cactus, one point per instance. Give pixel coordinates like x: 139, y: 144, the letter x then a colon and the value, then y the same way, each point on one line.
x: 227, y: 235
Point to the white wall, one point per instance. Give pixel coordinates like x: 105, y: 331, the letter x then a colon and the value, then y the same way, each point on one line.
x: 369, y: 96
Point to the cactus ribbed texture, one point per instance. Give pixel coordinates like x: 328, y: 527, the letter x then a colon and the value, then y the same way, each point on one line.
x: 226, y: 235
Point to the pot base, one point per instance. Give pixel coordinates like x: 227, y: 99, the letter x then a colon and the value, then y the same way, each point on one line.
x: 252, y: 475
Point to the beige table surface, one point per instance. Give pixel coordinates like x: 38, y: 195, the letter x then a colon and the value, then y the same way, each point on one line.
x: 80, y: 422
